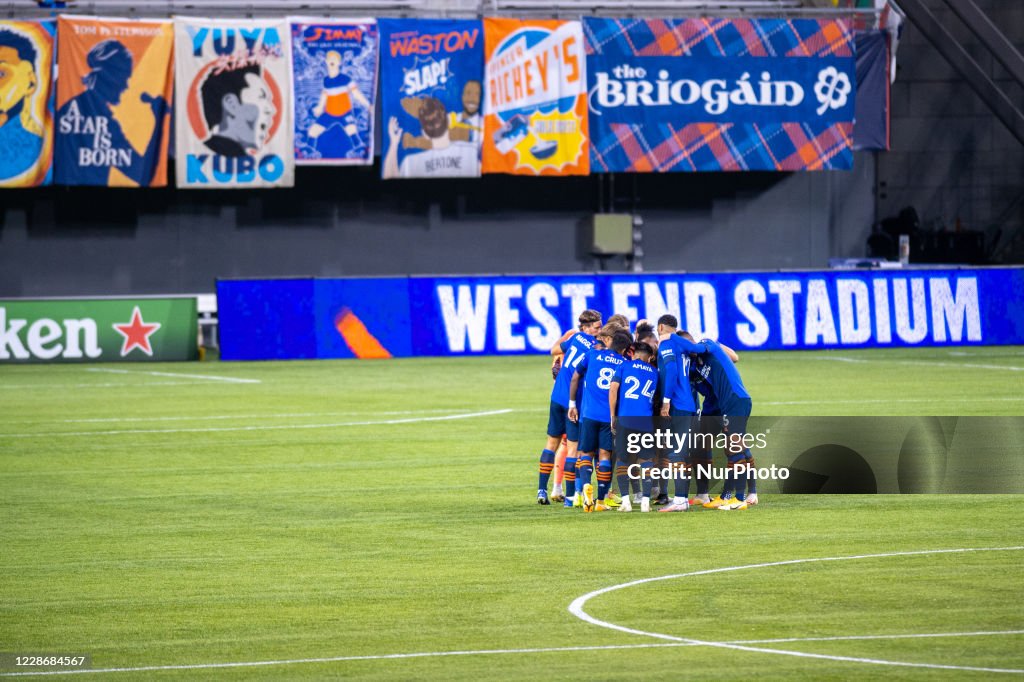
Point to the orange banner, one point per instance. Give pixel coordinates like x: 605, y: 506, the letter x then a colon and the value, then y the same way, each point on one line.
x: 535, y: 108
x: 113, y: 101
x: 26, y: 102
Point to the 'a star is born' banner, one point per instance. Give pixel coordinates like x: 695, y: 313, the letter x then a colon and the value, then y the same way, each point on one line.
x: 431, y: 96
x: 113, y: 101
x: 26, y: 102
x: 535, y: 107
x: 233, y: 116
x: 335, y: 77
x: 720, y: 94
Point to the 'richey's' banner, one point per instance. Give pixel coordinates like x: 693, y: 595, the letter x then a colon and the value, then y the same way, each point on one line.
x: 113, y: 96
x: 233, y: 117
x: 535, y: 108
x: 26, y: 103
x: 431, y: 96
x: 720, y: 95
x: 335, y: 79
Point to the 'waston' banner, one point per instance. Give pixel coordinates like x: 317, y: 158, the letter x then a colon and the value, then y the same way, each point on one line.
x: 105, y: 330
x: 26, y: 102
x: 431, y: 95
x: 527, y: 314
x: 535, y: 109
x: 335, y: 80
x: 720, y: 95
x: 233, y: 116
x: 113, y: 95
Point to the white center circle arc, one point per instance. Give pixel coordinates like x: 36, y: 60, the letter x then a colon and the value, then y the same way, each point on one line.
x: 576, y: 608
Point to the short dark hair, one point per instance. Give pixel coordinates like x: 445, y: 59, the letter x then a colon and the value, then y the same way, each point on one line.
x: 621, y: 341
x: 589, y: 316
x: 641, y: 347
x: 668, y: 321
x: 22, y: 45
x: 643, y: 330
x: 685, y: 334
x: 218, y: 85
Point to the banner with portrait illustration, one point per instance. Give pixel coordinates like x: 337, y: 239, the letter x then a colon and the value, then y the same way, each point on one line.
x: 113, y: 101
x: 535, y: 104
x: 431, y: 95
x: 720, y: 94
x: 26, y: 102
x: 335, y: 80
x: 233, y: 114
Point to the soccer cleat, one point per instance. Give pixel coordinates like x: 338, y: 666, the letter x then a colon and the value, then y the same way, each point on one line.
x: 577, y: 500
x: 714, y: 504
x: 733, y: 504
x: 661, y: 500
x: 645, y: 504
x: 613, y: 502
x: 626, y: 506
x: 542, y: 497
x: 557, y: 497
x: 602, y: 506
x: 568, y: 503
x: 751, y: 499
x: 700, y: 499
x: 676, y: 507
x: 588, y: 497
x: 637, y: 497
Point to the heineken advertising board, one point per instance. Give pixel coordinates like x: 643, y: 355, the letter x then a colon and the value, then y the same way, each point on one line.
x: 98, y: 330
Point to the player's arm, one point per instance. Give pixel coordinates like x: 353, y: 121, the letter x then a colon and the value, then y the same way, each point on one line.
x: 733, y: 355
x: 688, y: 346
x: 557, y: 349
x: 358, y: 95
x: 613, y: 402
x: 574, y: 413
x: 321, y: 105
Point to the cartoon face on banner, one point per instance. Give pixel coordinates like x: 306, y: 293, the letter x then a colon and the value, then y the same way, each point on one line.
x: 234, y: 127
x: 335, y: 80
x: 26, y: 107
x: 536, y: 110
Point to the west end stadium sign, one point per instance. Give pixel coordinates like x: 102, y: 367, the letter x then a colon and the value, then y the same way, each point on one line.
x: 98, y: 330
x: 338, y: 318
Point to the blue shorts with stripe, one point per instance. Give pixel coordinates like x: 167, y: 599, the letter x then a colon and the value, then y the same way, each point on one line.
x: 558, y: 423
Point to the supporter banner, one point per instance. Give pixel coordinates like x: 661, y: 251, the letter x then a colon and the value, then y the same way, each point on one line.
x: 431, y: 95
x: 535, y: 109
x: 26, y: 103
x: 105, y: 330
x: 233, y: 118
x: 527, y: 314
x: 335, y: 80
x: 720, y: 95
x: 113, y: 99
x: 871, y: 129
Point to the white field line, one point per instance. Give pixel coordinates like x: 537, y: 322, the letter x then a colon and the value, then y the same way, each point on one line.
x: 927, y: 363
x: 114, y: 384
x: 208, y: 377
x: 576, y: 609
x: 491, y: 652
x: 220, y: 417
x: 261, y: 427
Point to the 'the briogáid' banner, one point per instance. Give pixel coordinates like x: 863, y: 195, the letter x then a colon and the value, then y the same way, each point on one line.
x: 113, y: 100
x: 716, y: 94
x: 233, y: 116
x: 26, y: 102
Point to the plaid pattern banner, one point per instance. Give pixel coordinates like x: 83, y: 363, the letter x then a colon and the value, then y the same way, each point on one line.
x: 720, y: 95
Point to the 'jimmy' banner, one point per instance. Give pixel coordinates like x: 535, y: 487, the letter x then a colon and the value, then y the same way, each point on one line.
x: 335, y: 78
x: 26, y: 103
x: 113, y: 99
x: 431, y: 97
x: 103, y: 330
x: 535, y: 108
x: 233, y: 117
x: 720, y: 95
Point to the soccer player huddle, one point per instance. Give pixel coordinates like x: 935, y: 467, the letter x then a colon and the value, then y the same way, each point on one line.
x: 614, y: 390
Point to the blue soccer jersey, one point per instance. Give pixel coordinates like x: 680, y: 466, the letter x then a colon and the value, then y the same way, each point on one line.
x: 575, y: 349
x: 637, y: 382
x: 722, y: 376
x: 597, y: 368
x: 674, y: 372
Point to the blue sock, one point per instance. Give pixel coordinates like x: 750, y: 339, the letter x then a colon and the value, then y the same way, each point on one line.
x: 622, y: 476
x: 703, y: 482
x: 682, y: 482
x: 569, y: 476
x: 584, y: 471
x: 547, y: 465
x: 604, y: 478
x: 645, y: 469
x: 751, y: 480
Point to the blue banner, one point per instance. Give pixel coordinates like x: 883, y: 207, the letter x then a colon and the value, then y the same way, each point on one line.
x: 711, y: 94
x: 335, y: 79
x: 431, y: 97
x: 527, y: 314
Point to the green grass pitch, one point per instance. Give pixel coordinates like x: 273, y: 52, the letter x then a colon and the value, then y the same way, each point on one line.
x: 160, y: 515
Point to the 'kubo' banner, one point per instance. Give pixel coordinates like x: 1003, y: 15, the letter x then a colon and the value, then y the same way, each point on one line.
x: 431, y: 97
x: 335, y: 81
x: 535, y: 109
x: 112, y: 101
x: 233, y: 118
x: 26, y: 102
x: 720, y: 95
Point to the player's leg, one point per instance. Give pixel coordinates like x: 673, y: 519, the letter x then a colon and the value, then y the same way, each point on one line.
x: 589, y: 430
x: 739, y: 456
x: 679, y: 460
x: 556, y: 426
x: 702, y: 458
x: 623, y: 459
x: 557, y: 494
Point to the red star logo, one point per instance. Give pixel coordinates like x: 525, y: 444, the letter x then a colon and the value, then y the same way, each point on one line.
x: 136, y: 334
